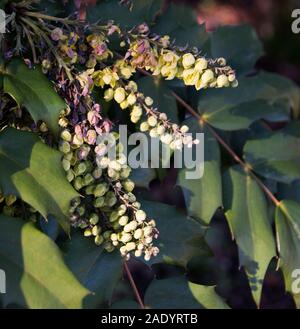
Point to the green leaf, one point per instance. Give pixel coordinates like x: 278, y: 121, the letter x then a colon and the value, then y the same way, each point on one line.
x: 253, y: 99
x: 181, y: 24
x: 287, y: 219
x: 125, y: 16
x: 239, y: 45
x: 178, y: 293
x: 247, y: 215
x: 287, y: 91
x: 95, y: 268
x: 203, y: 195
x: 180, y: 237
x: 36, y: 274
x: 31, y: 88
x: 161, y: 94
x: 32, y: 171
x: 276, y: 155
x: 142, y: 176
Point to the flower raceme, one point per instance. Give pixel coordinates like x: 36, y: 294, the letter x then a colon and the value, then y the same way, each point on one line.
x: 109, y: 212
x: 78, y: 60
x: 126, y: 94
x: 193, y: 69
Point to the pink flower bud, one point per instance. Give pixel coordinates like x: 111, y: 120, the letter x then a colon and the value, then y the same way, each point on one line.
x: 93, y: 117
x: 91, y: 137
x: 78, y: 131
x: 56, y: 34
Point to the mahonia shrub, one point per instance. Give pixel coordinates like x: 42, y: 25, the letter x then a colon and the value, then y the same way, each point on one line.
x: 65, y: 83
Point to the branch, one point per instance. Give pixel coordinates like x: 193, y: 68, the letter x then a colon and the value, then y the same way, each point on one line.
x: 133, y: 285
x: 202, y: 121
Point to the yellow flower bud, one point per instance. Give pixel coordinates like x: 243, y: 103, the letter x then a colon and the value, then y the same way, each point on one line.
x: 123, y: 220
x: 144, y: 126
x: 201, y: 64
x: 124, y: 104
x: 221, y: 61
x: 96, y: 230
x: 126, y: 237
x: 131, y: 99
x: 148, y: 230
x: 126, y: 72
x: 119, y: 95
x: 188, y: 60
x: 190, y: 77
x: 153, y: 133
x: 138, y: 234
x: 171, y: 58
x: 140, y: 215
x: 184, y: 129
x: 231, y: 77
x: 130, y: 246
x: 87, y: 232
x: 160, y: 130
x: 168, y: 72
x: 114, y: 237
x: 166, y: 138
x: 123, y: 250
x: 66, y: 135
x: 163, y: 116
x: 148, y: 101
x: 127, y: 228
x: 152, y: 121
x: 134, y: 119
x: 109, y: 94
x: 132, y: 86
x: 77, y: 140
x: 207, y: 76
x: 222, y: 81
x: 136, y: 111
x: 107, y: 78
x: 98, y: 240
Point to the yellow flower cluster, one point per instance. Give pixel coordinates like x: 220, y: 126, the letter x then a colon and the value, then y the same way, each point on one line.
x: 142, y: 54
x: 198, y: 72
x: 125, y: 69
x: 167, y: 65
x: 193, y: 70
x: 157, y: 123
x: 98, y: 43
x: 127, y: 97
x: 74, y: 48
x: 105, y: 77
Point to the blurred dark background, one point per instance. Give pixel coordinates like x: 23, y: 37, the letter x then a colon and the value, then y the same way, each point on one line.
x: 272, y: 21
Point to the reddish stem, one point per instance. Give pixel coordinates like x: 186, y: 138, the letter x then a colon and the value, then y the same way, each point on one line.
x: 133, y: 285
